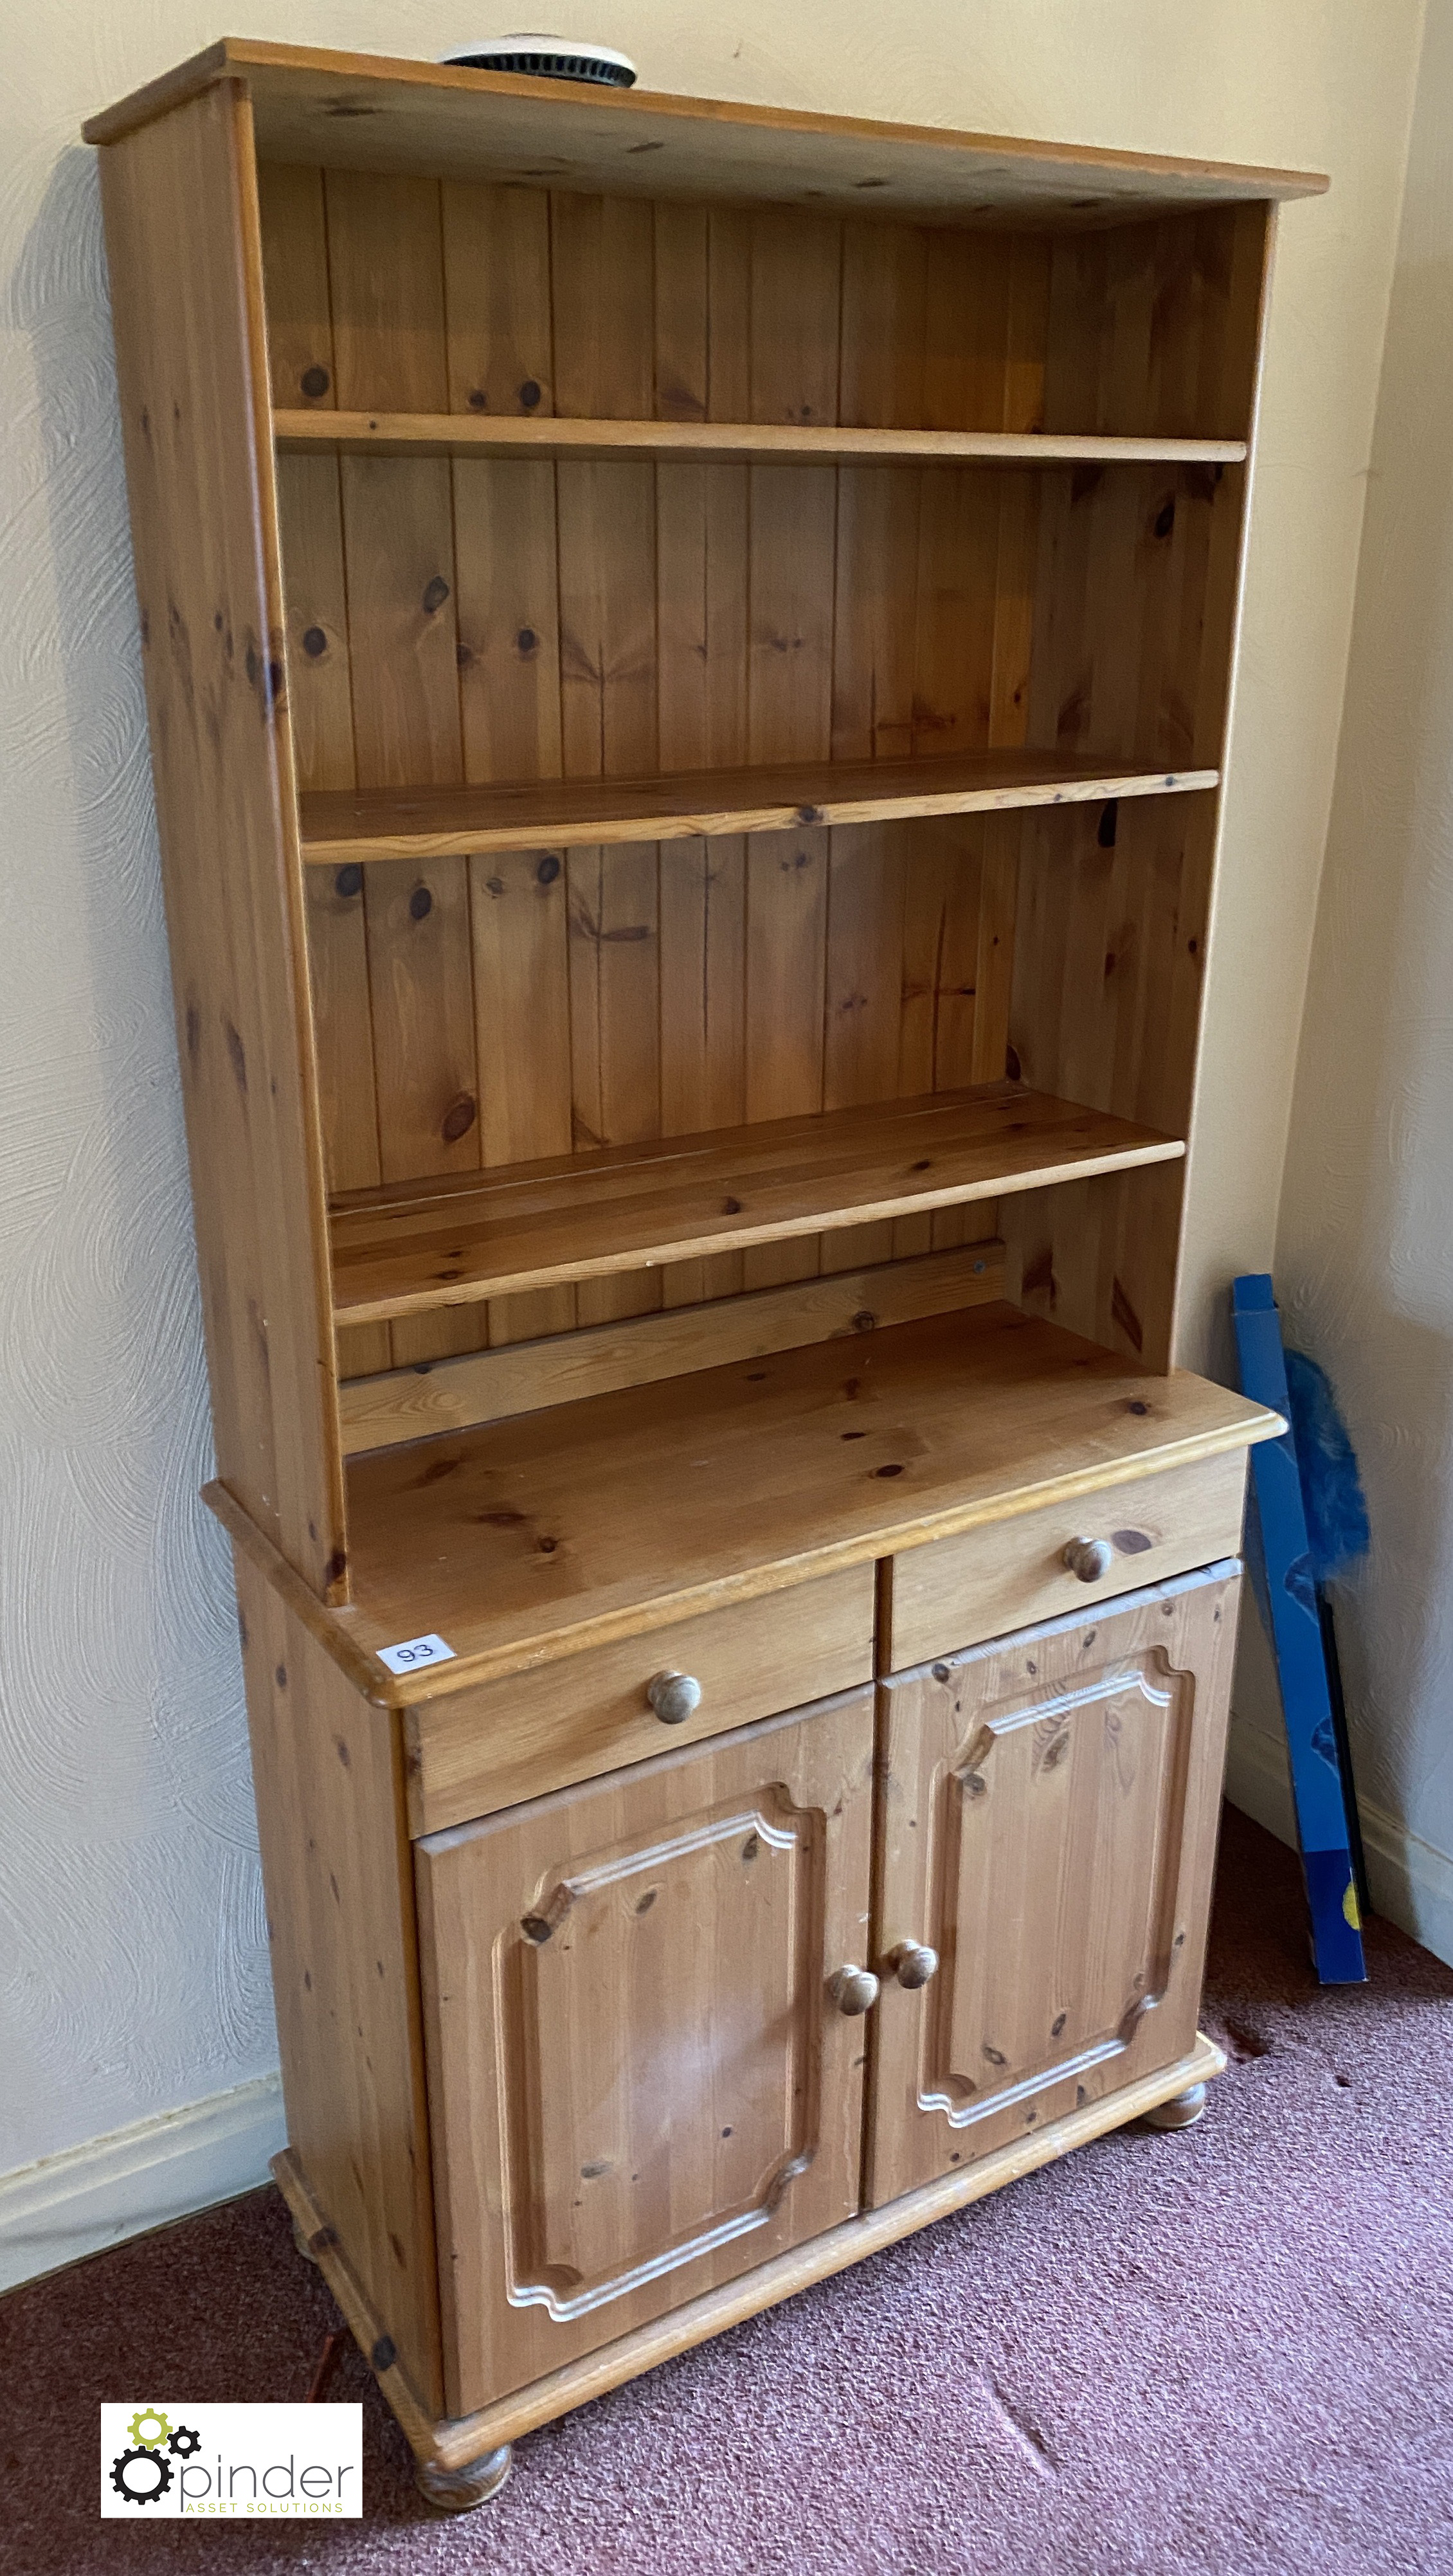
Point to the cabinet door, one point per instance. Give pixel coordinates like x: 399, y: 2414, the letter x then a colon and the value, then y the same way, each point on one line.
x: 640, y: 2085
x: 1049, y: 1824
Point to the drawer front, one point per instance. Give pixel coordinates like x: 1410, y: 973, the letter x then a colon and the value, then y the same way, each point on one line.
x: 481, y: 1750
x: 958, y: 1591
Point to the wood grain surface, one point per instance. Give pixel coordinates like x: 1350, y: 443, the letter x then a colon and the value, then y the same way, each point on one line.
x: 534, y: 1538
x: 595, y: 663
x: 410, y: 1404
x: 329, y: 1775
x: 1113, y: 921
x: 505, y: 1741
x: 182, y: 245
x: 591, y: 1215
x: 993, y: 1580
x: 436, y: 116
x: 1049, y: 1828
x: 639, y: 2086
x: 305, y: 430
x: 419, y: 823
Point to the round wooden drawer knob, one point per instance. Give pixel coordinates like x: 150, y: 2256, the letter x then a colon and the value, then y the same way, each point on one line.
x: 1090, y: 1558
x: 913, y: 1963
x: 673, y: 1696
x: 853, y: 1990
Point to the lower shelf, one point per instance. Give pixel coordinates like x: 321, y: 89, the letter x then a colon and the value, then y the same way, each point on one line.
x: 538, y: 1536
x: 454, y: 2443
x: 413, y: 1248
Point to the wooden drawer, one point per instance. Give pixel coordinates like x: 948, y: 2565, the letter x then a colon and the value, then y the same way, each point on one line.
x: 958, y: 1591
x: 482, y: 1750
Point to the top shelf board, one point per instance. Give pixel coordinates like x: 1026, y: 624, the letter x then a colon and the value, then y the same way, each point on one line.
x: 394, y: 433
x: 375, y: 112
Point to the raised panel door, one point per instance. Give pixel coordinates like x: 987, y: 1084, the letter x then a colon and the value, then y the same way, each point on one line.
x: 1049, y: 1820
x: 640, y: 2084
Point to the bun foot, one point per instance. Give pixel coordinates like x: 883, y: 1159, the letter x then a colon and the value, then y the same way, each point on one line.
x: 460, y: 2490
x: 1182, y: 2111
x: 301, y: 2242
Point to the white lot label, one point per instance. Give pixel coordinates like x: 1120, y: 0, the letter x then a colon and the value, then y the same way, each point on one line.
x: 231, y: 2463
x: 415, y: 1653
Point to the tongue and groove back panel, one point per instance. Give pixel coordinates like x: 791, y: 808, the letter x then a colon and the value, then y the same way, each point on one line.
x: 473, y: 619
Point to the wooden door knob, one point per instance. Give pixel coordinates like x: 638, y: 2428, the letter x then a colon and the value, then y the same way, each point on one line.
x: 673, y: 1696
x: 1090, y: 1558
x: 853, y: 1990
x: 913, y: 1963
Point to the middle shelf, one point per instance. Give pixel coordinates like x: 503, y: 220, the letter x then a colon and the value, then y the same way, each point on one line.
x: 341, y: 825
x: 401, y: 433
x: 409, y: 1249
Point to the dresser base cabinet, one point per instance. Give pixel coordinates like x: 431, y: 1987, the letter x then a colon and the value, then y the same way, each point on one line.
x: 579, y: 2083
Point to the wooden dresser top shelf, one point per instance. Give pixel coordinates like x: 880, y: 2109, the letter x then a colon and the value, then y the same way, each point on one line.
x: 412, y: 1248
x: 341, y: 825
x: 540, y: 1536
x: 379, y: 112
x: 383, y: 433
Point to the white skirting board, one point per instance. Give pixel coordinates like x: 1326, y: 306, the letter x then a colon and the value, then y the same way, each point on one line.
x: 1411, y: 1882
x: 76, y: 2203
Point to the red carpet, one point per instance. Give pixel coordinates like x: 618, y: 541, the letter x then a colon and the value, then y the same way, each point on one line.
x: 1229, y: 2351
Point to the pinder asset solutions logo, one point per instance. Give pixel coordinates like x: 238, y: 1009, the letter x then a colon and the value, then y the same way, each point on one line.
x: 232, y: 2463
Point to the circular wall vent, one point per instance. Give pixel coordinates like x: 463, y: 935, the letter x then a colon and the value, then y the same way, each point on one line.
x: 548, y: 58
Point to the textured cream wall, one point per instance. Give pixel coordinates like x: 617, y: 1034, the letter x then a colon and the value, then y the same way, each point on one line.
x: 132, y: 1962
x: 1365, y: 1242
